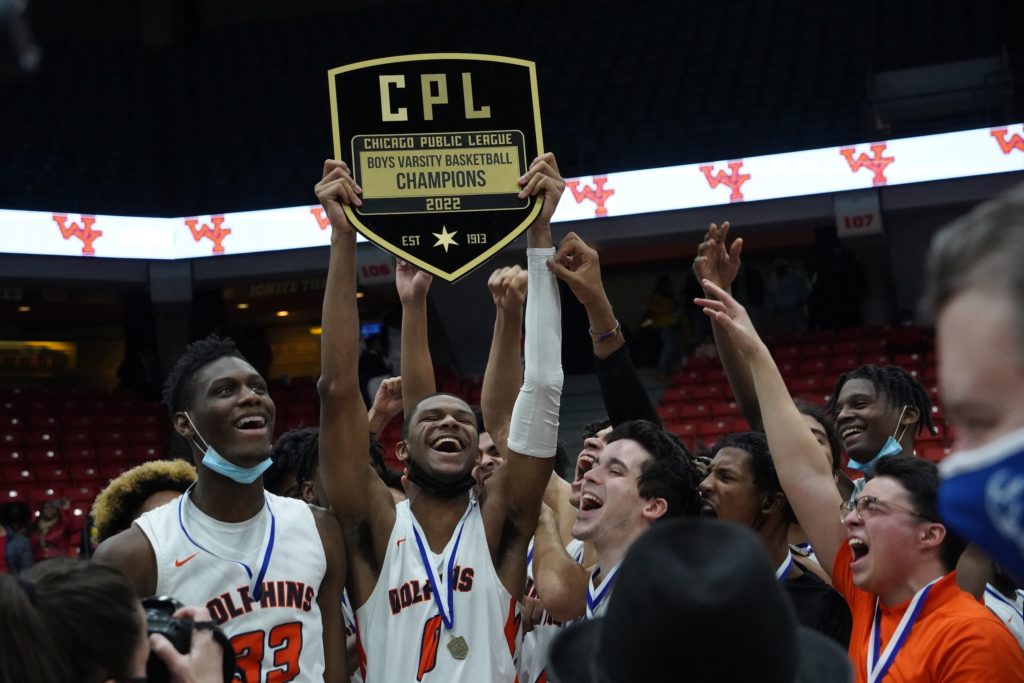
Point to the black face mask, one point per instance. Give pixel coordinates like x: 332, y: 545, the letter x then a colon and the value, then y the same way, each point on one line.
x: 438, y: 487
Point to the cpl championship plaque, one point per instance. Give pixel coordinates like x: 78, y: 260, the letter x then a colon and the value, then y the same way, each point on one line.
x: 438, y: 143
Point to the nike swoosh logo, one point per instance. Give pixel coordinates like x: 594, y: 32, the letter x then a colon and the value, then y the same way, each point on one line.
x: 178, y: 563
x: 398, y: 543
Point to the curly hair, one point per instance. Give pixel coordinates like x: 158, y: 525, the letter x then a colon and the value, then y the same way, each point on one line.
x: 117, y: 506
x: 197, y: 356
x: 295, y: 451
x: 897, y: 386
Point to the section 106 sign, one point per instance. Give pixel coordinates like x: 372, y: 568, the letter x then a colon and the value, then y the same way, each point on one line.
x: 438, y: 143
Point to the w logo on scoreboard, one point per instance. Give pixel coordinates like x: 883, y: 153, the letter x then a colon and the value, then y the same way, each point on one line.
x: 321, y: 218
x: 215, y: 234
x: 875, y: 163
x: 83, y: 231
x: 734, y: 179
x: 598, y: 194
x: 1015, y: 141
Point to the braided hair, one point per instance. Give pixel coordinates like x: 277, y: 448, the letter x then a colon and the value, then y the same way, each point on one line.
x: 897, y: 385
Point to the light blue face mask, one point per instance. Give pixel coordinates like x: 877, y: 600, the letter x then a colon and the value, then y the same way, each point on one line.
x: 889, y: 448
x: 222, y: 466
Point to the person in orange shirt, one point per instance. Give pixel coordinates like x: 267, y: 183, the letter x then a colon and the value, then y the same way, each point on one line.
x: 887, y: 553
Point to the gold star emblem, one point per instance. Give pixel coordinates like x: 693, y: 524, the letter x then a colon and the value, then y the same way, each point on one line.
x: 445, y: 238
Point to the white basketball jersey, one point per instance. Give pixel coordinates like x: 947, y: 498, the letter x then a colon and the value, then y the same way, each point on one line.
x: 1010, y: 612
x: 278, y: 636
x: 349, y: 619
x: 598, y: 596
x: 534, y: 658
x: 402, y: 635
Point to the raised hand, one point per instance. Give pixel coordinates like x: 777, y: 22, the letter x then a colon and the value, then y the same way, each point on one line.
x: 335, y: 188
x: 508, y: 288
x: 411, y: 282
x: 543, y: 178
x: 714, y: 261
x: 733, y: 318
x: 579, y: 266
x: 388, y: 400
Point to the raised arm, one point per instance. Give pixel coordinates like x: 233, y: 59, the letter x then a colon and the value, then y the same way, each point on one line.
x: 720, y: 265
x: 386, y: 404
x: 804, y: 473
x: 504, y: 372
x: 625, y: 398
x: 417, y: 368
x: 514, y: 497
x: 354, y: 492
x: 560, y: 580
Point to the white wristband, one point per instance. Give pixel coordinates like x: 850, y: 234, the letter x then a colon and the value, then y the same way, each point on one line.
x: 534, y: 426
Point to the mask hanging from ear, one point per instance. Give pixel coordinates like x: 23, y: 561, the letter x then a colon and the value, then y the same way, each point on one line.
x: 889, y: 448
x: 222, y: 466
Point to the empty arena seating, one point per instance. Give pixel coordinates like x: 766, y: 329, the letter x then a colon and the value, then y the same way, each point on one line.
x: 699, y: 407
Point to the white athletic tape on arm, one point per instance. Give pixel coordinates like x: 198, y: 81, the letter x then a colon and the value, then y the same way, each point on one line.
x: 534, y: 427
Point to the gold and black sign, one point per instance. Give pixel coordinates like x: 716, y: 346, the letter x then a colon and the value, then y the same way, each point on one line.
x: 438, y: 143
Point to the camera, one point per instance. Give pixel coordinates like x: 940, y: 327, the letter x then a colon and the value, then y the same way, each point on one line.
x: 160, y: 619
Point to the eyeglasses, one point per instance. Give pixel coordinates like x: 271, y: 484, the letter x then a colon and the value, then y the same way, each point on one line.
x: 868, y: 506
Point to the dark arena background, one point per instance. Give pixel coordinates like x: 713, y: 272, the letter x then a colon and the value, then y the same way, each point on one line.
x: 181, y: 117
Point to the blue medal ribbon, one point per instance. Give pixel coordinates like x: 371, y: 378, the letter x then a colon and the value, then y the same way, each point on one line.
x: 255, y: 585
x: 878, y: 665
x: 785, y: 568
x: 447, y: 618
x: 593, y: 602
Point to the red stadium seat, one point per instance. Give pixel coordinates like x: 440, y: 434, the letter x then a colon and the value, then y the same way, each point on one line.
x: 44, y: 454
x: 86, y: 490
x: 814, y: 366
x: 42, y: 421
x: 12, y: 455
x: 76, y: 515
x: 79, y: 454
x: 108, y: 452
x: 845, y: 363
x: 809, y: 383
x: 145, y: 436
x: 114, y: 470
x: 12, y: 421
x: 82, y: 472
x: 714, y: 429
x: 42, y: 494
x: 15, y: 474
x: 76, y: 438
x: 10, y: 437
x: 710, y: 391
x: 932, y: 451
x: 145, y: 452
x: 41, y: 438
x: 52, y: 472
x: 724, y: 409
x: 13, y: 493
x: 116, y: 436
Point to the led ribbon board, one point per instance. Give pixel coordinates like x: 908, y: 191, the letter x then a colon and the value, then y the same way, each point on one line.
x: 926, y: 158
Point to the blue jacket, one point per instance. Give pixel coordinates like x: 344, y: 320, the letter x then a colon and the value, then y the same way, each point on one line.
x: 19, y: 551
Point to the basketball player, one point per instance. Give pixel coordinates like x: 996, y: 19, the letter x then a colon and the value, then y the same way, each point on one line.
x: 269, y: 569
x: 435, y: 580
x: 743, y: 487
x: 887, y: 552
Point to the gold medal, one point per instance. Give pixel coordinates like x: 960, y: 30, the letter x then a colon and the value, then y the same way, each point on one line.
x: 458, y: 647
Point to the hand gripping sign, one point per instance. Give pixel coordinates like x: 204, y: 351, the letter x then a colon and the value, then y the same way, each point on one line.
x: 438, y: 143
